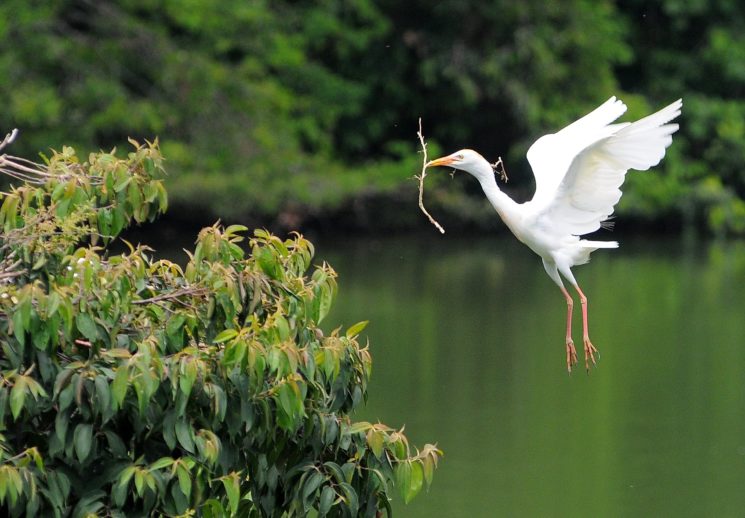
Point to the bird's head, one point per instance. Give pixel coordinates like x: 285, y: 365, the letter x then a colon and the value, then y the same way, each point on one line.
x: 466, y: 160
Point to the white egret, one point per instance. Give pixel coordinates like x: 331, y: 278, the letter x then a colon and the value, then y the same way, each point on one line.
x: 578, y: 172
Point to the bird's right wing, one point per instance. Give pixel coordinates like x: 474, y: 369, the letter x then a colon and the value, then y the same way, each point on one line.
x: 551, y: 155
x: 591, y: 186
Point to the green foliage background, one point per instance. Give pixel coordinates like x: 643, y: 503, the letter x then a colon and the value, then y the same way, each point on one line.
x: 307, y: 108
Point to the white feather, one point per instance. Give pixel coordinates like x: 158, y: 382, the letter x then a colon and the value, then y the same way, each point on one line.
x: 589, y: 187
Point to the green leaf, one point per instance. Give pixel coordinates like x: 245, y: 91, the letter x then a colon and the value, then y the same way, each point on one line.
x: 122, y: 181
x: 184, y: 435
x: 325, y: 299
x: 268, y: 262
x: 375, y: 442
x: 361, y: 426
x: 356, y: 328
x: 350, y: 496
x: 120, y: 385
x: 83, y: 439
x: 19, y: 330
x: 161, y: 463
x: 403, y: 478
x: 328, y: 495
x: 116, y: 445
x: 312, y: 484
x: 61, y: 421
x: 126, y: 474
x: 233, y: 229
x: 232, y: 489
x: 86, y: 326
x: 103, y: 394
x: 184, y: 479
x: 415, y: 484
x: 17, y: 396
x: 224, y: 336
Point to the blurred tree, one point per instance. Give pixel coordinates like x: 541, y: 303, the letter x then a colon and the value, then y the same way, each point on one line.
x: 303, y: 105
x: 695, y: 50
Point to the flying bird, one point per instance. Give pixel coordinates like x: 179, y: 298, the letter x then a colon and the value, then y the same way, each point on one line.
x: 578, y: 174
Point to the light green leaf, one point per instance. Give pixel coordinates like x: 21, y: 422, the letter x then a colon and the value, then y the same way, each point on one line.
x: 232, y: 489
x: 120, y: 385
x: 356, y: 328
x: 375, y: 442
x: 361, y: 426
x: 232, y: 229
x: 403, y: 478
x: 415, y: 484
x: 17, y: 395
x: 161, y: 463
x: 224, y: 336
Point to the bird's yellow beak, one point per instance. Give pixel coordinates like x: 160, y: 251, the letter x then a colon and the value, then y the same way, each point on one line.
x: 446, y: 160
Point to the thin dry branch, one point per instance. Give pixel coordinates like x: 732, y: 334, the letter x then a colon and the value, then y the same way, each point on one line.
x: 172, y: 295
x: 9, y: 138
x: 421, y: 179
x: 498, y: 167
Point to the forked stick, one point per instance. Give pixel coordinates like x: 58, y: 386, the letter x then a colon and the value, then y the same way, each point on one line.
x: 421, y: 179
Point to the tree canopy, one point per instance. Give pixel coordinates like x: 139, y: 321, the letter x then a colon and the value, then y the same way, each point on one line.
x: 132, y: 386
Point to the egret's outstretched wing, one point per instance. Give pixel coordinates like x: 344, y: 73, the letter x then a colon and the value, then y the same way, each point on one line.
x: 551, y: 155
x: 590, y: 188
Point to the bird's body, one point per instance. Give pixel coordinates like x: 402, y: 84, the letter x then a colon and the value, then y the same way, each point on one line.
x: 578, y: 173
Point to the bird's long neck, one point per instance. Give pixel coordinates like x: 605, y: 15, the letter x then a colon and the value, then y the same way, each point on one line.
x: 505, y: 206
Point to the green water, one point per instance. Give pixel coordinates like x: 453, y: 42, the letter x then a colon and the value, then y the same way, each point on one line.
x: 468, y: 351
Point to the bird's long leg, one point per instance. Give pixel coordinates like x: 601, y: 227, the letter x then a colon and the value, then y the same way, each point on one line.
x: 571, y: 351
x: 589, y: 348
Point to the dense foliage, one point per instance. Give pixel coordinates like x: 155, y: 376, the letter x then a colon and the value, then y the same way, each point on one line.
x: 317, y: 102
x: 131, y: 386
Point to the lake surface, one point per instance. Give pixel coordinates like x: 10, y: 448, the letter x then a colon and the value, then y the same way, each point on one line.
x: 467, y: 337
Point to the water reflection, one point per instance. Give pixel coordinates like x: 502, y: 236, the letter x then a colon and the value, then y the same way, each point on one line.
x: 467, y: 342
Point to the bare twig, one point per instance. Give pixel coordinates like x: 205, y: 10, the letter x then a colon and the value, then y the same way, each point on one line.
x: 172, y: 295
x: 9, y: 138
x: 421, y: 179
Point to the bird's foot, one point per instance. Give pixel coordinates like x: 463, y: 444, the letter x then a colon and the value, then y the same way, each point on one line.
x: 590, y: 353
x: 571, y: 355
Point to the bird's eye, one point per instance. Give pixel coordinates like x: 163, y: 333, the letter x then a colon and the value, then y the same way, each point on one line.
x: 460, y: 157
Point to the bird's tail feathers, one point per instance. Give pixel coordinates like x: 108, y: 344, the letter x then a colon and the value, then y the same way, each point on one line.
x: 598, y: 244
x: 585, y: 248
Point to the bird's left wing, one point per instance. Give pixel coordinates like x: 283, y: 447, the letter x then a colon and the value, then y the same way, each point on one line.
x: 591, y: 187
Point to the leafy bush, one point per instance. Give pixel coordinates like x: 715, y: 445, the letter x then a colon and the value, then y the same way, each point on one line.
x: 132, y: 386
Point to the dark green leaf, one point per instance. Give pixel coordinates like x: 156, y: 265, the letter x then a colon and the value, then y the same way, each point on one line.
x: 82, y: 439
x: 328, y: 495
x: 86, y: 326
x: 184, y: 435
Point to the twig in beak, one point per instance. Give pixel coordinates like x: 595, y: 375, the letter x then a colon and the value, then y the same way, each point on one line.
x: 498, y: 167
x: 421, y: 179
